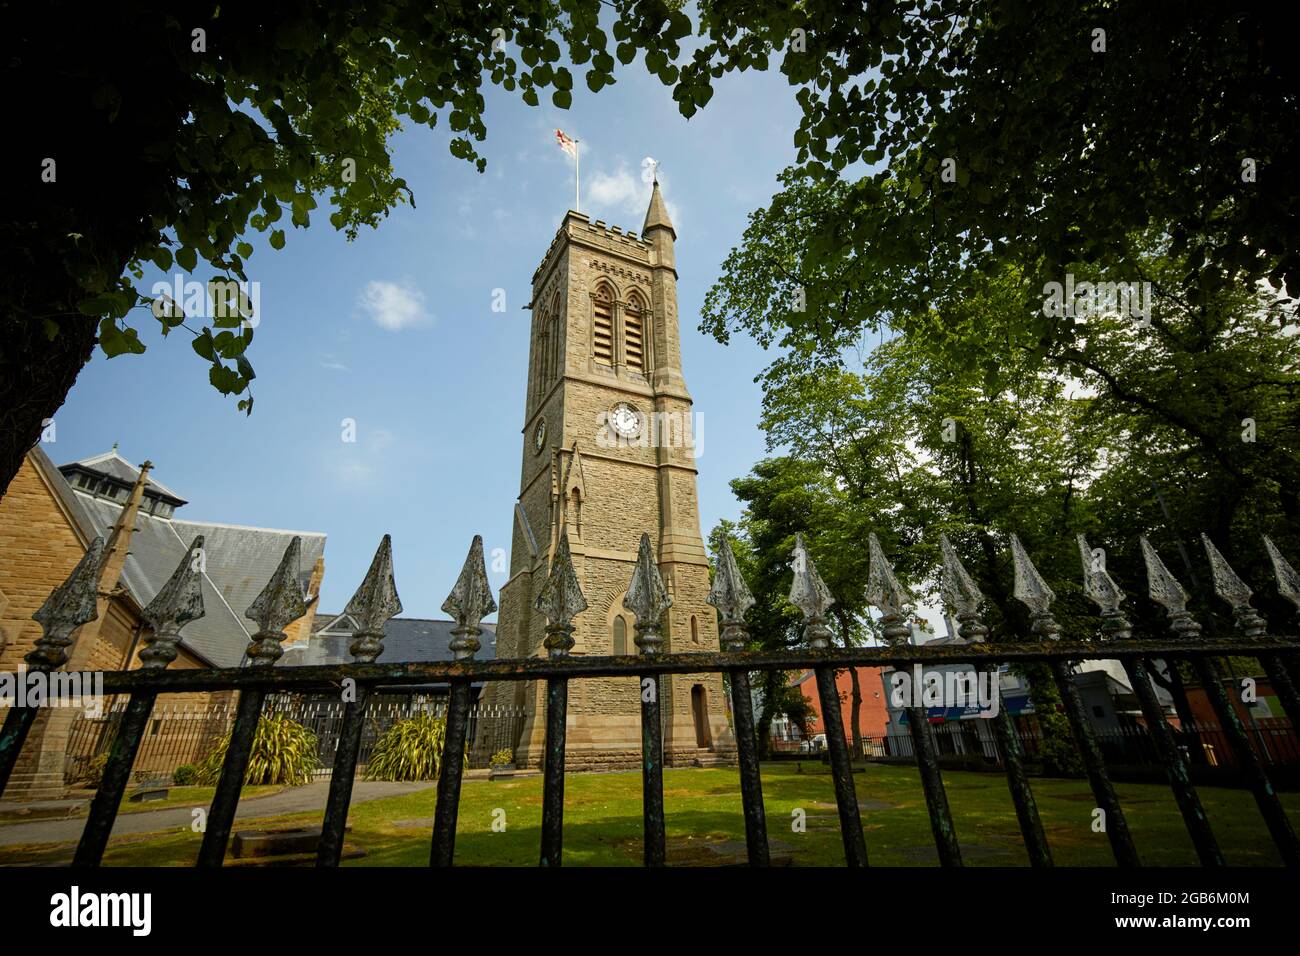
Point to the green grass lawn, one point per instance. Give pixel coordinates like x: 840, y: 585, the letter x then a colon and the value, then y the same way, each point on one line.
x: 704, y: 825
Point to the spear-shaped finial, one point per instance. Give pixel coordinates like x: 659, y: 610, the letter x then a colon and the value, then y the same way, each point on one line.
x: 809, y: 593
x: 178, y: 603
x: 279, y: 605
x: 961, y: 595
x: 1032, y: 591
x: 375, y: 602
x: 1288, y: 581
x: 469, y: 602
x: 884, y: 591
x: 1100, y: 588
x: 1233, y: 590
x: 647, y: 598
x: 69, y: 606
x: 731, y: 596
x: 561, y: 600
x: 1165, y: 590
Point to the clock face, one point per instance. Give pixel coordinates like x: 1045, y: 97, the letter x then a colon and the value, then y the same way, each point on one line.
x: 625, y: 420
x: 539, y: 436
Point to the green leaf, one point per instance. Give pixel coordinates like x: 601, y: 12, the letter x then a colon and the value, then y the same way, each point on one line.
x: 563, y: 99
x: 277, y: 239
x: 204, y: 345
x: 244, y: 249
x: 187, y: 258
x: 115, y: 341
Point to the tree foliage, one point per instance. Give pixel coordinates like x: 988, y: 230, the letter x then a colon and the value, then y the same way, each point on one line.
x: 965, y: 136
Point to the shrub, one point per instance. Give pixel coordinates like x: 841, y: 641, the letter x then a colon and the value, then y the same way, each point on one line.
x: 502, y: 758
x: 185, y: 775
x: 93, y: 775
x: 411, y: 749
x: 284, y: 751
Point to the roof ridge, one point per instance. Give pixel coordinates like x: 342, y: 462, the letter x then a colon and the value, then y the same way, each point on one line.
x: 249, y: 527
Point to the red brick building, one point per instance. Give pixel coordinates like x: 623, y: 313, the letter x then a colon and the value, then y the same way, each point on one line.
x: 873, y: 714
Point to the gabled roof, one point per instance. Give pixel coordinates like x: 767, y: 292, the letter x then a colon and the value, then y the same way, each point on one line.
x: 112, y: 465
x: 239, y: 560
x: 406, y: 639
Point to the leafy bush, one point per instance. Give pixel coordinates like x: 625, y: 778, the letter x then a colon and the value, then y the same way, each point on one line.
x: 411, y: 749
x: 93, y: 775
x: 502, y: 758
x: 185, y: 775
x: 284, y: 751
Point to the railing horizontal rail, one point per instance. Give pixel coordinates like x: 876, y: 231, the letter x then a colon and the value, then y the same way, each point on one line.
x: 325, y: 676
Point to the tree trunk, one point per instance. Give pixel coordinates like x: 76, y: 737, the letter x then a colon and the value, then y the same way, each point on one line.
x: 855, y: 715
x: 36, y: 373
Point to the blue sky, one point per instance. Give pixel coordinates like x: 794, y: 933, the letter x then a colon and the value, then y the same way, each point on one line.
x: 396, y: 332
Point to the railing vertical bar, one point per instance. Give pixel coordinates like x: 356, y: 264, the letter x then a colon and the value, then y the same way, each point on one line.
x: 557, y: 707
x: 221, y: 816
x: 751, y: 783
x: 117, y: 774
x: 334, y: 824
x: 936, y: 798
x: 449, y: 776
x: 18, y: 723
x: 1022, y: 796
x: 1176, y: 766
x: 846, y: 796
x: 652, y: 773
x: 1275, y: 818
x: 1121, y: 840
x: 1282, y: 676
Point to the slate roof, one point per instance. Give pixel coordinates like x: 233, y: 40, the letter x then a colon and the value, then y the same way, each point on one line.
x: 405, y: 639
x: 112, y: 465
x: 240, y: 560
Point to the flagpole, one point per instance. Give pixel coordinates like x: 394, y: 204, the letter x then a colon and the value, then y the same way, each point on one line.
x: 576, y: 166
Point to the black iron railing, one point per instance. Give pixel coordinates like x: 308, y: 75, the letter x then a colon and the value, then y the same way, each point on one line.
x: 561, y: 600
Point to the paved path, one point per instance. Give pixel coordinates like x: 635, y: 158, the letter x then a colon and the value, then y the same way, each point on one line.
x: 293, y: 800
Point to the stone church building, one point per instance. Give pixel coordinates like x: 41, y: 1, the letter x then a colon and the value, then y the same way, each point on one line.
x: 50, y: 515
x: 608, y: 454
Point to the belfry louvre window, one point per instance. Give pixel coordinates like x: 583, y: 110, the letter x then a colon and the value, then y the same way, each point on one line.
x: 634, y: 334
x: 603, y: 326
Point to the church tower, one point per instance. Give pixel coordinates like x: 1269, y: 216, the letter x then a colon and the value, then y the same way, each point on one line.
x: 608, y: 453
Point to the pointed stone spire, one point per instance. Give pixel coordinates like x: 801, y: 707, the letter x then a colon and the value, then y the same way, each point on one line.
x: 1165, y: 590
x: 279, y: 605
x: 178, y: 603
x: 811, y: 596
x: 731, y: 596
x: 469, y: 602
x: 375, y: 602
x: 656, y: 217
x: 1233, y: 590
x: 884, y: 591
x: 69, y: 606
x: 647, y: 598
x: 1288, y: 581
x: 1100, y: 588
x: 561, y: 601
x: 961, y: 595
x: 1032, y: 591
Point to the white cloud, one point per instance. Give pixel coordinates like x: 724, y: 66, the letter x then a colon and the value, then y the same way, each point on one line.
x: 394, y: 306
x: 622, y: 197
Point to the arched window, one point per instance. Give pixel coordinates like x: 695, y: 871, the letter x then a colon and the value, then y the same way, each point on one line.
x: 634, y: 333
x: 602, y: 329
x: 557, y: 344
x: 620, y: 636
x: 695, y: 630
x: 553, y: 359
